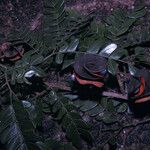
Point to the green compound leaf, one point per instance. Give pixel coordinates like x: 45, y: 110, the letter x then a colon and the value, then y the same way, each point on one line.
x: 112, y: 66
x: 16, y: 128
x: 70, y: 120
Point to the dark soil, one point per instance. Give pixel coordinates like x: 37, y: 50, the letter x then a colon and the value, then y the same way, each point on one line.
x: 17, y: 13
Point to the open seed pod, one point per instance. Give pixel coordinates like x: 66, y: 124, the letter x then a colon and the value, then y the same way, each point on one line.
x: 90, y: 69
x: 11, y: 53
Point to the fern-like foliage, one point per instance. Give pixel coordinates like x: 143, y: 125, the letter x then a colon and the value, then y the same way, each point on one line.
x: 119, y: 23
x: 30, y: 39
x: 64, y: 37
x: 70, y: 120
x: 29, y: 61
x: 53, y: 22
x: 16, y: 129
x: 34, y: 109
x: 104, y: 110
x: 137, y: 38
x: 52, y: 32
x: 118, y: 29
x: 50, y: 144
x: 57, y: 28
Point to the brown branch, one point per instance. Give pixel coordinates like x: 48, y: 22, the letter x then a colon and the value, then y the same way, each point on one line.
x: 63, y: 86
x: 59, y: 85
x: 114, y: 95
x: 8, y: 85
x: 114, y: 135
x: 1, y: 65
x: 120, y: 129
x: 127, y: 126
x: 3, y: 85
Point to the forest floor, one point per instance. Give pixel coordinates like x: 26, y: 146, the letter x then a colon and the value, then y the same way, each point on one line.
x: 135, y: 134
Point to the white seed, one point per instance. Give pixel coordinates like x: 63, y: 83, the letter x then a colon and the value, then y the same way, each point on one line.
x: 109, y: 48
x: 73, y: 77
x: 30, y: 73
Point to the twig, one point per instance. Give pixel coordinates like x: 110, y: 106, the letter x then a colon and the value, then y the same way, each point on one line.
x: 114, y: 95
x: 110, y: 138
x: 123, y: 127
x: 121, y: 77
x: 3, y: 66
x: 63, y: 86
x: 127, y: 126
x: 136, y: 124
x: 120, y: 83
x: 8, y: 85
x: 3, y: 85
x: 74, y: 52
x: 59, y: 85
